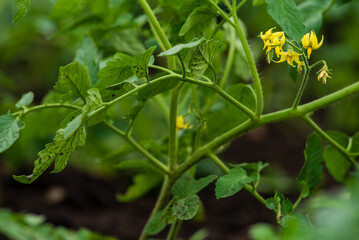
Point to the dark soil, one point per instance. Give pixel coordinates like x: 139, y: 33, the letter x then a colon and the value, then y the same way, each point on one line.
x: 75, y: 199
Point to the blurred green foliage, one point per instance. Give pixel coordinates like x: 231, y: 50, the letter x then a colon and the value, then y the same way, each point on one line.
x: 20, y: 226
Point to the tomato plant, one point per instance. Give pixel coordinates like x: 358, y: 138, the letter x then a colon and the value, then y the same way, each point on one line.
x: 169, y: 66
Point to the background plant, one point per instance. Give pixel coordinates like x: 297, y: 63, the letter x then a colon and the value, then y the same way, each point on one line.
x: 100, y: 90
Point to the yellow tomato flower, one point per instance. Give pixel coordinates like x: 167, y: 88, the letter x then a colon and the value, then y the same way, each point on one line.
x: 181, y: 125
x: 274, y: 40
x: 310, y: 42
x: 290, y: 56
x: 277, y: 44
x: 270, y: 36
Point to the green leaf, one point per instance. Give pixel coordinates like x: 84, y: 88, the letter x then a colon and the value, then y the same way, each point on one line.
x: 156, y: 88
x: 279, y: 202
x: 167, y: 216
x: 186, y: 208
x: 87, y: 55
x: 73, y: 126
x: 200, y: 17
x: 186, y: 185
x: 94, y: 101
x: 25, y: 100
x: 67, y: 8
x: 179, y: 47
x: 335, y: 162
x: 283, y: 203
x: 312, y: 169
x: 155, y: 224
x: 255, y: 166
x: 312, y: 12
x: 258, y: 2
x: 202, y: 58
x: 201, y: 234
x: 10, y: 128
x: 232, y: 183
x: 115, y: 71
x: 19, y: 226
x: 142, y: 184
x: 355, y: 143
x: 22, y: 7
x: 295, y: 219
x: 263, y: 231
x: 288, y: 16
x: 73, y: 81
x: 58, y: 151
x: 140, y: 63
x: 270, y: 203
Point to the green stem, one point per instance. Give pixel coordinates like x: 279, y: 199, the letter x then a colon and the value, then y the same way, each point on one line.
x: 227, y: 69
x: 252, y: 65
x: 223, y: 21
x: 317, y: 63
x: 330, y: 140
x: 47, y: 105
x: 232, y: 100
x: 281, y: 115
x: 161, y: 201
x: 138, y: 147
x: 303, y: 84
x: 248, y: 187
x: 172, y: 234
x: 219, y: 163
x: 295, y: 205
x: 157, y: 29
x: 223, y: 14
x: 294, y: 46
x: 174, y: 76
x: 173, y: 129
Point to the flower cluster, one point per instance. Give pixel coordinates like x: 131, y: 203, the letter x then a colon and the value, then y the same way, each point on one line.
x: 276, y: 40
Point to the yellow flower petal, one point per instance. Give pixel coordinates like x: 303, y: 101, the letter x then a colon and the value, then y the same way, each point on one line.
x: 305, y: 40
x: 309, y: 51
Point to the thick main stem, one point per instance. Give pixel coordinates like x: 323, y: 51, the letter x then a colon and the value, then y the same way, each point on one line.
x: 161, y: 201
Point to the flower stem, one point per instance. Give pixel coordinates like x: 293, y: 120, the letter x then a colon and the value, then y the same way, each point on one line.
x: 303, y: 84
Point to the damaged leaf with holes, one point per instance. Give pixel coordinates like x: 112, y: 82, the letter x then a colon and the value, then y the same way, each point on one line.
x: 59, y: 151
